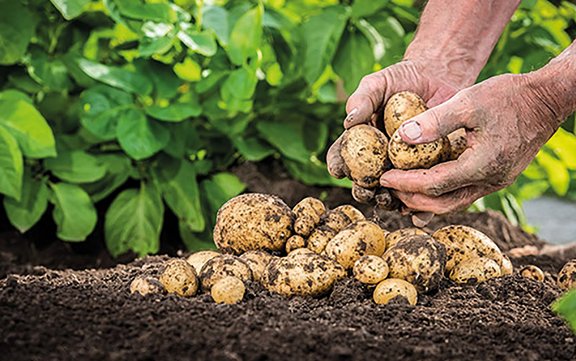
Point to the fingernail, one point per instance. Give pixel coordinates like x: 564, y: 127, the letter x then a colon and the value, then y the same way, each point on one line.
x: 412, y: 130
x: 350, y: 117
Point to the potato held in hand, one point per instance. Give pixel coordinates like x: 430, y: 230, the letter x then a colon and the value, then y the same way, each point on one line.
x: 399, y: 108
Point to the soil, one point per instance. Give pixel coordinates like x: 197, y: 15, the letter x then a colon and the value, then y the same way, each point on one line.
x: 47, y: 313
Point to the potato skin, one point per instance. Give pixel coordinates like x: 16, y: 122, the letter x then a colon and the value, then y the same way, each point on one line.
x: 359, y: 239
x: 532, y: 272
x: 364, y: 153
x: 146, y: 286
x: 229, y: 290
x: 253, y: 221
x: 475, y: 270
x: 417, y: 156
x: 567, y: 276
x: 319, y: 239
x: 295, y: 242
x: 399, y: 108
x: 395, y: 290
x: 257, y: 261
x: 370, y: 269
x: 223, y: 266
x: 394, y: 237
x: 302, y: 273
x: 198, y: 259
x: 179, y: 277
x: 458, y: 143
x: 308, y: 212
x: 507, y: 267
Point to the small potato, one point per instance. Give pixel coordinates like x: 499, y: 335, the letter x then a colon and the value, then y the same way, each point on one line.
x: 363, y: 195
x: 395, y: 290
x: 359, y: 239
x: 393, y: 237
x: 417, y: 156
x: 308, y: 212
x: 253, y: 221
x: 257, y: 261
x: 370, y: 269
x: 146, y: 286
x: 353, y: 214
x: 363, y: 151
x: 295, y: 242
x: 458, y: 143
x: 179, y: 277
x: 198, y: 259
x: 228, y: 290
x: 532, y: 272
x: 507, y: 268
x: 475, y: 270
x: 302, y: 273
x: 567, y: 276
x: 418, y: 259
x: 399, y: 108
x: 223, y: 266
x: 319, y: 238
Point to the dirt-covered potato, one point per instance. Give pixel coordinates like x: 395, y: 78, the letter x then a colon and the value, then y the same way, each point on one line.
x: 363, y: 195
x: 507, y: 268
x: 257, y: 261
x: 295, y: 242
x: 228, y: 290
x: 179, y: 277
x: 308, y: 212
x: 198, y: 259
x: 223, y: 266
x: 399, y: 108
x: 462, y: 242
x: 253, y: 221
x: 418, y: 259
x: 359, y: 239
x: 370, y: 269
x: 474, y: 270
x: 393, y: 237
x: 364, y: 154
x: 302, y: 273
x: 532, y: 272
x: 567, y: 276
x: 395, y: 290
x: 319, y: 238
x: 417, y: 156
x: 458, y: 143
x: 146, y: 286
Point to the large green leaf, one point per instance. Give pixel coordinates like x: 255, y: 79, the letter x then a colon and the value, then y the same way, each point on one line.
x: 253, y: 149
x: 140, y: 137
x: 558, y: 174
x: 76, y: 166
x: 129, y: 81
x: 216, y: 19
x: 135, y: 9
x: 134, y: 221
x: 565, y: 306
x: 101, y: 108
x: 361, y: 8
x: 70, y: 8
x: 73, y: 213
x: 354, y: 59
x: 175, y: 112
x: 563, y: 143
x: 117, y: 172
x: 246, y: 36
x: 11, y: 165
x: 287, y: 136
x: 314, y: 173
x: 199, y: 42
x: 17, y: 25
x: 29, y: 128
x: 219, y: 189
x: 23, y: 214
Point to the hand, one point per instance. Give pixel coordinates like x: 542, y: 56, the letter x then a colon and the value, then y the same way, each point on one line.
x: 506, y: 122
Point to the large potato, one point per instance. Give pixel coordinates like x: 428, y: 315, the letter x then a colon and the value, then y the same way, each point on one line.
x: 394, y: 237
x: 370, y: 269
x: 395, y: 290
x: 223, y: 266
x: 198, y: 259
x: 359, y: 239
x: 417, y: 156
x: 257, y: 261
x: 567, y: 276
x: 253, y: 221
x: 179, y: 277
x: 364, y: 154
x: 308, y: 212
x: 418, y: 259
x: 474, y: 270
x: 302, y: 273
x: 399, y: 108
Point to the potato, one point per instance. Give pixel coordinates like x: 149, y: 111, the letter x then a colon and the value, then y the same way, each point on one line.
x: 474, y: 270
x: 257, y: 261
x: 359, y: 239
x: 308, y: 212
x: 462, y: 242
x: 567, y: 276
x: 179, y: 277
x: 363, y: 195
x: 395, y: 290
x: 302, y: 273
x: 458, y: 143
x: 417, y: 156
x: 393, y: 237
x: 228, y: 290
x: 253, y: 221
x: 370, y: 269
x: 223, y: 266
x: 399, y: 108
x: 319, y: 238
x: 341, y: 217
x: 364, y: 154
x: 295, y: 242
x: 146, y: 286
x: 532, y: 272
x: 507, y: 268
x: 418, y: 259
x: 198, y: 259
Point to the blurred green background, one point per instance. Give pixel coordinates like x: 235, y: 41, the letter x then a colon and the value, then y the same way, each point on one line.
x: 142, y: 107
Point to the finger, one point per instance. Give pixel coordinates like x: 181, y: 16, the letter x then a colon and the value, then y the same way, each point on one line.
x: 365, y: 100
x: 362, y: 195
x: 450, y: 202
x: 421, y: 219
x: 336, y: 165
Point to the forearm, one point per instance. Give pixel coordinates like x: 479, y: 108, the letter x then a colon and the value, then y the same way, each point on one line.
x: 457, y: 37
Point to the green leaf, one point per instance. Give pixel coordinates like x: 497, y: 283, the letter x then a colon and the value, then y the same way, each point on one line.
x: 321, y: 35
x: 101, y: 109
x: 194, y: 241
x: 17, y: 25
x: 166, y: 83
x: 362, y: 8
x: 117, y: 77
x: 158, y: 12
x: 563, y: 144
x: 14, y: 95
x: 24, y: 214
x: 253, y: 149
x: 558, y: 175
x: 215, y: 18
x: 76, y: 166
x: 52, y: 73
x: 219, y: 189
x: 70, y: 8
x: 140, y: 137
x: 565, y: 306
x: 314, y: 173
x: 354, y: 59
x: 11, y: 165
x: 246, y: 36
x: 134, y: 221
x: 287, y: 136
x: 175, y: 112
x: 152, y: 46
x: 73, y: 213
x: 238, y: 89
x: 199, y: 42
x: 117, y: 172
x: 29, y: 128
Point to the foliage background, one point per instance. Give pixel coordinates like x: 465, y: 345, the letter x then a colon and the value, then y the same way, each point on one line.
x: 137, y: 108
